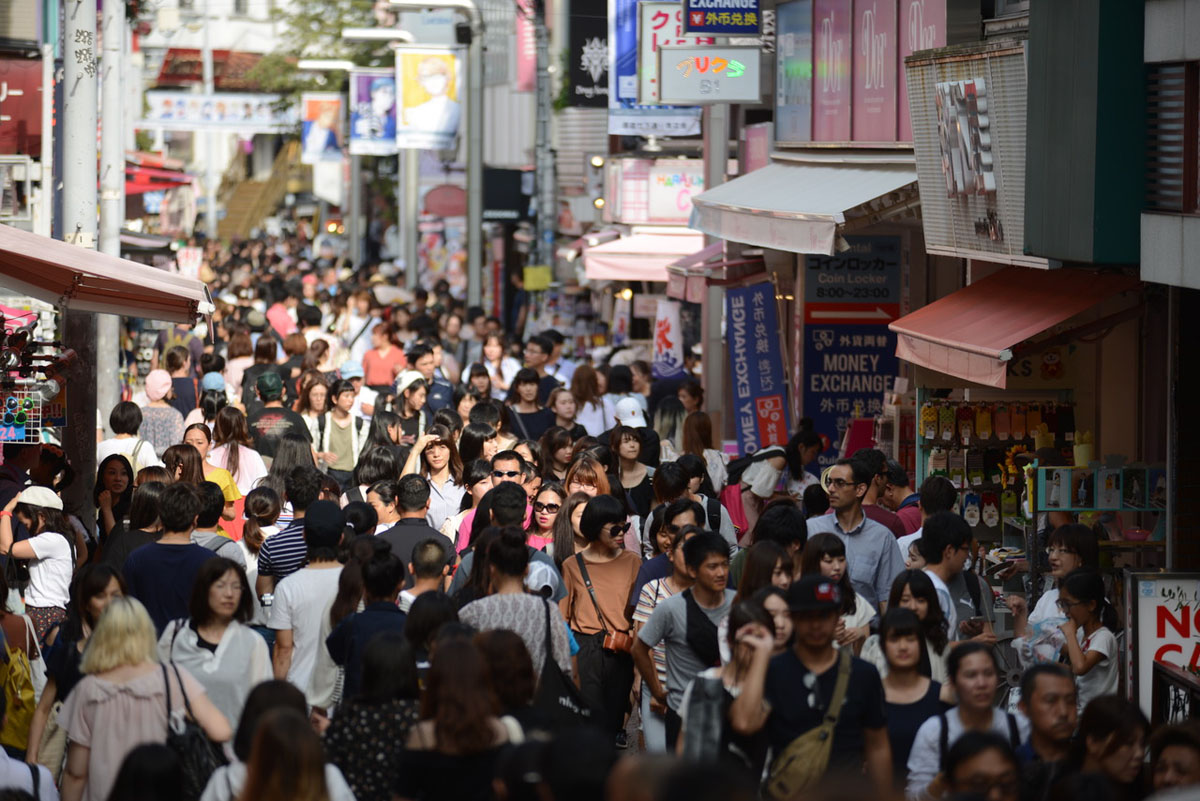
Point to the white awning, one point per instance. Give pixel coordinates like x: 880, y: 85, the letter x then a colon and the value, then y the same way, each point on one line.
x: 641, y: 257
x: 797, y: 202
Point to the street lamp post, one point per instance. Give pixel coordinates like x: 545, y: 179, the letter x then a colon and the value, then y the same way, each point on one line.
x: 474, y: 136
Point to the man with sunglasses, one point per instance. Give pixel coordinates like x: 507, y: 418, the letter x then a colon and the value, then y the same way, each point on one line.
x: 508, y: 466
x: 872, y: 555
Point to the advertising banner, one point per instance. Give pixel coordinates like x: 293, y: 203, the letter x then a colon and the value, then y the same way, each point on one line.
x: 659, y: 25
x: 526, y: 44
x: 1162, y: 624
x: 668, y: 341
x: 587, y: 54
x: 372, y: 112
x: 875, y: 71
x: 831, y: 82
x: 253, y: 113
x: 430, y: 80
x: 849, y: 353
x: 756, y: 367
x: 671, y: 185
x: 625, y: 116
x: 710, y: 74
x: 726, y: 17
x: 922, y: 27
x: 794, y: 71
x: 321, y: 127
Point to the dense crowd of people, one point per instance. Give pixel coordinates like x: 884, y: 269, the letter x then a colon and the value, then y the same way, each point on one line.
x: 354, y: 550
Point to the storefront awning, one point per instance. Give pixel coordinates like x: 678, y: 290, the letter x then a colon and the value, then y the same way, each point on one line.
x: 86, y: 280
x: 641, y: 257
x: 971, y: 333
x: 797, y: 202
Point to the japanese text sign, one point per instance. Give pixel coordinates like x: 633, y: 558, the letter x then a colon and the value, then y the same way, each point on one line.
x: 628, y: 60
x: 737, y: 17
x: 709, y: 74
x: 659, y: 25
x: 756, y: 367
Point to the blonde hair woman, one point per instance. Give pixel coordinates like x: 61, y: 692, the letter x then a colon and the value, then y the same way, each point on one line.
x: 121, y: 701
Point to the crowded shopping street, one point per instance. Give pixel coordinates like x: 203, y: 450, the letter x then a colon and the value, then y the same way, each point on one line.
x: 606, y: 400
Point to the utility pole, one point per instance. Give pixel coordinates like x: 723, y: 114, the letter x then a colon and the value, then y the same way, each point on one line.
x: 79, y: 228
x: 716, y: 157
x: 112, y: 197
x: 547, y: 204
x: 210, y: 148
x: 353, y: 231
x: 410, y: 200
x: 475, y: 159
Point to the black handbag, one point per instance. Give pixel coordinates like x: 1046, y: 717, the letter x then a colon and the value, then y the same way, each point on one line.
x: 557, y: 700
x: 199, y: 757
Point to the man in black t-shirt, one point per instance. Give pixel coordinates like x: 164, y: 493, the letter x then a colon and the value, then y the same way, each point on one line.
x: 790, y: 693
x: 272, y: 422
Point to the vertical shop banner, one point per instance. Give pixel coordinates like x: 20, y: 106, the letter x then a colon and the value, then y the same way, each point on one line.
x: 668, y: 341
x: 620, y: 324
x: 794, y: 72
x: 849, y: 353
x: 831, y: 77
x: 625, y: 116
x: 875, y: 71
x: 756, y: 367
x: 372, y: 112
x: 587, y: 54
x: 430, y: 80
x: 922, y: 27
x: 526, y: 47
x: 321, y: 127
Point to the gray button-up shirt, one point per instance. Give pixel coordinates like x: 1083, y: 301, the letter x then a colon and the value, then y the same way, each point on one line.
x: 443, y: 502
x: 872, y: 555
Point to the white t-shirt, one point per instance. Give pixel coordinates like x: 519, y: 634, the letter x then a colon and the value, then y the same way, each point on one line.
x: 300, y: 601
x: 50, y: 573
x: 146, y: 456
x: 1047, y: 607
x: 863, y: 613
x: 251, y: 467
x: 15, y: 775
x: 594, y: 418
x: 925, y: 758
x: 1102, y: 679
x: 945, y: 600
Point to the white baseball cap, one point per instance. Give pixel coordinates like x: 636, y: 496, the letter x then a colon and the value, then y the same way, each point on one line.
x: 629, y: 413
x: 40, y: 496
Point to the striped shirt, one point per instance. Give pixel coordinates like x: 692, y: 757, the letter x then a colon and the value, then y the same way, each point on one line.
x: 654, y: 592
x: 284, y: 553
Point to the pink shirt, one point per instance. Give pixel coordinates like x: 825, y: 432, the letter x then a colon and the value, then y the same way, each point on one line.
x: 464, y: 529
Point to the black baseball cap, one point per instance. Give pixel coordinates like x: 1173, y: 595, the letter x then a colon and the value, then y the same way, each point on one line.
x: 814, y: 594
x: 324, y: 524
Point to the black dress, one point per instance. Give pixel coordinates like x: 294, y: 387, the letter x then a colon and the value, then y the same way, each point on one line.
x: 366, y: 742
x: 434, y: 776
x: 903, y: 720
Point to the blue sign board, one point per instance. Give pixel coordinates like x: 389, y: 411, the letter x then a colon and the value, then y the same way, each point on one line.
x: 849, y: 353
x: 728, y: 17
x: 756, y: 367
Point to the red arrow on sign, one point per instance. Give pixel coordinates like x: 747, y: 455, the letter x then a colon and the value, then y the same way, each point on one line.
x: 860, y: 313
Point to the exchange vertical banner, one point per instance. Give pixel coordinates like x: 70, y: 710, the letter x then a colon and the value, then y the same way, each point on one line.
x: 849, y: 353
x: 430, y: 80
x: 756, y: 367
x: 372, y: 112
x: 668, y: 340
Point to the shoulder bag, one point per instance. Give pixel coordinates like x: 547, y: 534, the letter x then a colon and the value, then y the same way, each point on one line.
x: 557, y: 699
x: 615, y: 641
x: 199, y: 757
x: 804, y: 762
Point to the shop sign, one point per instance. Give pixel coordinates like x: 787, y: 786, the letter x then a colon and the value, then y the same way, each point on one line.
x: 526, y: 43
x: 710, y: 74
x: 1162, y: 624
x: 668, y: 340
x: 875, y: 69
x: 659, y: 25
x: 187, y: 111
x: 972, y: 170
x: 372, y: 112
x: 794, y: 72
x: 645, y: 307
x: 831, y: 77
x: 671, y: 186
x: 588, y: 54
x: 922, y: 27
x: 20, y: 106
x: 727, y: 17
x: 620, y: 323
x: 849, y: 353
x: 756, y: 367
x: 625, y: 116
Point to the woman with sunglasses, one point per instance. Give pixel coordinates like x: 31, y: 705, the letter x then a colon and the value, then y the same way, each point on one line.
x: 546, y: 506
x: 597, y: 613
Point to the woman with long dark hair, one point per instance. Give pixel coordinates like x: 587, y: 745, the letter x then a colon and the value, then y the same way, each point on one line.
x: 567, y: 538
x: 452, y: 752
x: 546, y: 506
x: 914, y: 590
x: 312, y: 400
x: 556, y: 453
x: 52, y: 549
x: 634, y: 477
x: 411, y: 393
x: 502, y: 369
x: 366, y: 739
x: 698, y: 440
x: 478, y: 441
x: 293, y: 451
x: 143, y: 527
x: 233, y: 450
x: 590, y: 412
x: 910, y: 696
x: 287, y: 762
x: 94, y: 586
x: 435, y: 458
x: 529, y: 419
x: 825, y: 555
x: 113, y: 493
x: 1111, y: 742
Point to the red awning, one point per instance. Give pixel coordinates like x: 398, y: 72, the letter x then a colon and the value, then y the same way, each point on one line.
x: 86, y: 280
x: 970, y: 333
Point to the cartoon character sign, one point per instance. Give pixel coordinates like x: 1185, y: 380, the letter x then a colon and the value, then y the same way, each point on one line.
x: 322, y: 127
x: 372, y: 112
x: 430, y: 81
x: 1052, y: 365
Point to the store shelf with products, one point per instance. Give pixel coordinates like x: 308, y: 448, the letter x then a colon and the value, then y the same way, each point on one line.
x: 895, y: 434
